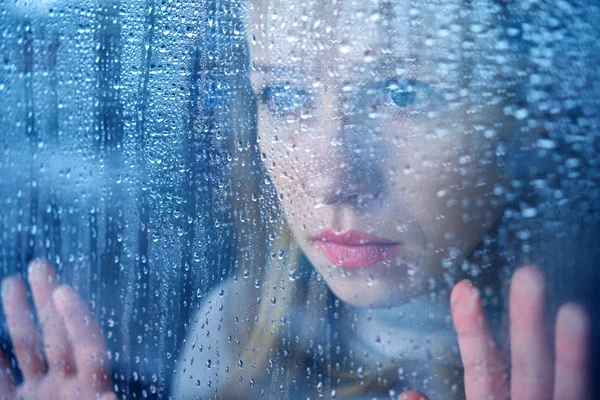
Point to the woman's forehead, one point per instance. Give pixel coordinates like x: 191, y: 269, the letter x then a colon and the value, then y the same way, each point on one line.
x: 358, y: 31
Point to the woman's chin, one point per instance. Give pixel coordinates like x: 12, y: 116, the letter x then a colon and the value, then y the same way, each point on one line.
x: 371, y: 294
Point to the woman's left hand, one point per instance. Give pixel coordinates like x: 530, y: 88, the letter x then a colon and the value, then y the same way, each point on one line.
x: 537, y: 372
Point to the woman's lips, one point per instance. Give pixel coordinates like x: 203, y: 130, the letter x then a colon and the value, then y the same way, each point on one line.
x: 355, y: 249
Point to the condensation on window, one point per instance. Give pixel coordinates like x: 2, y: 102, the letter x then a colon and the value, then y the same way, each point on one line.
x: 275, y: 199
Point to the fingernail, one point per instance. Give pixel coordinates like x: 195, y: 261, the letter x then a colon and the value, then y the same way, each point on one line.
x: 466, y: 302
x: 57, y: 293
x: 573, y: 320
x: 61, y: 291
x: 471, y: 301
x: 36, y: 264
x: 528, y: 283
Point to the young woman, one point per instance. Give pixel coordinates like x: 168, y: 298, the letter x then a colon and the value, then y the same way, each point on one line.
x: 389, y: 159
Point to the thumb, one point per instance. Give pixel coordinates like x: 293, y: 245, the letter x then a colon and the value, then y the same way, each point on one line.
x: 412, y: 395
x: 109, y: 396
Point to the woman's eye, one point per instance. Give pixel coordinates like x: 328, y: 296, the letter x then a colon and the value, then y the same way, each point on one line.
x: 284, y: 98
x: 412, y: 94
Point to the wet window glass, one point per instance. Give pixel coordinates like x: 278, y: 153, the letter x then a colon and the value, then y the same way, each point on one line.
x: 328, y: 199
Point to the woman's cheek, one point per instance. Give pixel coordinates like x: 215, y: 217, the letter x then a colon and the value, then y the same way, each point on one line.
x: 435, y: 180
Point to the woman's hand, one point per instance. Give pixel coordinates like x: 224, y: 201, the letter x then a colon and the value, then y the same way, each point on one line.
x: 70, y: 360
x: 536, y: 374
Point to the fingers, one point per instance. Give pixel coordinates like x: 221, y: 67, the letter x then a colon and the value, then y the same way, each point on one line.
x: 532, y: 369
x: 7, y: 379
x: 87, y: 339
x: 21, y: 326
x: 485, y: 375
x: 572, y: 349
x: 43, y: 280
x: 412, y: 395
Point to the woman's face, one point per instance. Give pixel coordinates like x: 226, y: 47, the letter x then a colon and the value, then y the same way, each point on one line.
x: 380, y: 138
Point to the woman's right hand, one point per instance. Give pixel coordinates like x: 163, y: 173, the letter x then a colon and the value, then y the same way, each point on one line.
x: 537, y: 372
x: 69, y: 361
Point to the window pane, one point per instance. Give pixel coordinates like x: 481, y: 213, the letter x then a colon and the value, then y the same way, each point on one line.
x: 274, y: 199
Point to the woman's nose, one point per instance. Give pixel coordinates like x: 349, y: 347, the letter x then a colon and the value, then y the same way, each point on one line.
x: 355, y: 188
x: 348, y: 168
